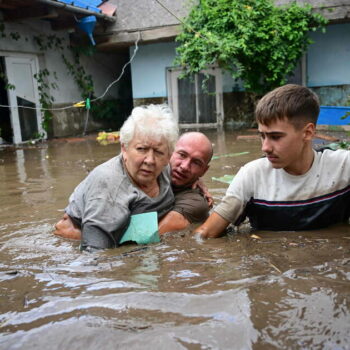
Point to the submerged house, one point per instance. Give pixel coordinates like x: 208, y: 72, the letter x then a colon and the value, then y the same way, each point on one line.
x: 132, y: 63
x: 41, y: 66
x: 154, y: 24
x: 150, y: 27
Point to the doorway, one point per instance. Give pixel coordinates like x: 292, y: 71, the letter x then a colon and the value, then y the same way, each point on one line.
x: 21, y: 121
x: 6, y: 132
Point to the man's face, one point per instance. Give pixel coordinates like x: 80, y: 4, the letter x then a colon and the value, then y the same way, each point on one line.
x: 284, y: 145
x: 188, y: 162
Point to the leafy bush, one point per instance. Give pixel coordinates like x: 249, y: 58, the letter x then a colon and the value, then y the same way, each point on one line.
x: 252, y: 39
x: 105, y: 109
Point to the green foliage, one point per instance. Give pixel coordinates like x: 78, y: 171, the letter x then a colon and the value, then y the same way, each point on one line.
x: 3, y: 77
x: 45, y: 98
x: 7, y: 84
x: 48, y: 42
x: 252, y: 39
x: 2, y: 30
x: 82, y: 79
x: 347, y: 114
x: 15, y: 36
x: 88, y: 51
x: 75, y: 68
x: 37, y: 136
x: 106, y: 109
x: 339, y: 145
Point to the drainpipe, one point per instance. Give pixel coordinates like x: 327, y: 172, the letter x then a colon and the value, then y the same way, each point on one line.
x: 80, y: 10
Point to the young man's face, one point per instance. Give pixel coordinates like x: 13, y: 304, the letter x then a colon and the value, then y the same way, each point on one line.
x: 285, y: 146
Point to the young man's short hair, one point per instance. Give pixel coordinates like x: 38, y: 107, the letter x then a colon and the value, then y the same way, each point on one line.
x: 297, y: 103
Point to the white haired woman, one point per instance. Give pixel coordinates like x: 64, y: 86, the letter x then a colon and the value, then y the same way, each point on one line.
x: 136, y: 181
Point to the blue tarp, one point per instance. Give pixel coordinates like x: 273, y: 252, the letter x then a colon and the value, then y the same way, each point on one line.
x: 90, y: 5
x: 332, y: 115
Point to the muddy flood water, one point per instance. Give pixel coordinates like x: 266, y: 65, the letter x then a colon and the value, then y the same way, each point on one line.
x: 275, y: 290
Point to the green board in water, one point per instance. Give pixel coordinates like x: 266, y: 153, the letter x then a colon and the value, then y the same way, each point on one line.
x: 143, y: 229
x: 226, y: 179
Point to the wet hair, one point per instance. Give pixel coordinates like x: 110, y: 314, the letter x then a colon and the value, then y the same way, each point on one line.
x: 151, y: 121
x: 296, y: 103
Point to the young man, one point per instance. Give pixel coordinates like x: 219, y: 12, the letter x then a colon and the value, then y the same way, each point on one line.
x: 293, y: 187
x: 189, y: 162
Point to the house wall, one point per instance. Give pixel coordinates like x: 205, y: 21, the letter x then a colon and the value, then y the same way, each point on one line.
x: 104, y: 68
x: 50, y: 59
x: 328, y: 65
x: 148, y: 70
x: 327, y: 68
x: 329, y: 56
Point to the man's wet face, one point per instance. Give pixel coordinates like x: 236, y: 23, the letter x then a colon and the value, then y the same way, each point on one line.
x: 188, y: 161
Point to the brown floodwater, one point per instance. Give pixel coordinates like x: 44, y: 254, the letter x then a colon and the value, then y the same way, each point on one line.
x: 275, y: 290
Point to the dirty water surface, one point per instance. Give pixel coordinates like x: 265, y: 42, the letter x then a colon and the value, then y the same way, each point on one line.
x: 270, y: 290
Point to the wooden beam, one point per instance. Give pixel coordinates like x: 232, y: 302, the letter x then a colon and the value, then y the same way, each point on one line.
x: 63, y: 23
x: 122, y: 39
x: 14, y: 4
x: 29, y: 13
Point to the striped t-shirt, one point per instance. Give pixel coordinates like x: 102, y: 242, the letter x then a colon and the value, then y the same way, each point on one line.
x: 276, y: 200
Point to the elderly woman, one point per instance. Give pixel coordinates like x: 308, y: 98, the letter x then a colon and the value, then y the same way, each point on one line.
x: 136, y: 181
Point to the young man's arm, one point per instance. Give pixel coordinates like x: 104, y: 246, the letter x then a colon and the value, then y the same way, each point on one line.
x: 213, y: 227
x: 226, y: 212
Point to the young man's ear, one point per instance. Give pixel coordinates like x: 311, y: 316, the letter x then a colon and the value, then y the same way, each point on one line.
x: 309, y: 131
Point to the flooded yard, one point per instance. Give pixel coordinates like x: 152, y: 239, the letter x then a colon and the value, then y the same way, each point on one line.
x: 271, y: 290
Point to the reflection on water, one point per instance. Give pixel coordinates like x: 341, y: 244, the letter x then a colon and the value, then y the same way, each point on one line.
x: 286, y: 290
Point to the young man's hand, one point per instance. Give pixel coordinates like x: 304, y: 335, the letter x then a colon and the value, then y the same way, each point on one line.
x: 213, y: 227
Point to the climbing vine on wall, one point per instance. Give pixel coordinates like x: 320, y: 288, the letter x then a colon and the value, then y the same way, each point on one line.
x: 83, y: 80
x: 45, y: 98
x: 74, y: 67
x: 7, y: 84
x: 254, y: 40
x: 48, y: 42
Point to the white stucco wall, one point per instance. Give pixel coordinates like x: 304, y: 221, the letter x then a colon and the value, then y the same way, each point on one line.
x: 104, y: 68
x: 328, y: 59
x: 51, y: 60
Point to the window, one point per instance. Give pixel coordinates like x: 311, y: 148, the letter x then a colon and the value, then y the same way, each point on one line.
x: 196, y: 104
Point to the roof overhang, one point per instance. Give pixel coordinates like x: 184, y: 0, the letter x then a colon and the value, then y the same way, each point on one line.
x: 124, y: 39
x: 61, y: 13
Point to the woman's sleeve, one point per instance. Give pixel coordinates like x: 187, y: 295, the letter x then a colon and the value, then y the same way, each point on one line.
x: 106, y: 214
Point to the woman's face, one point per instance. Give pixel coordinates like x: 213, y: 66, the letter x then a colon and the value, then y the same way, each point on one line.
x: 145, y: 159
